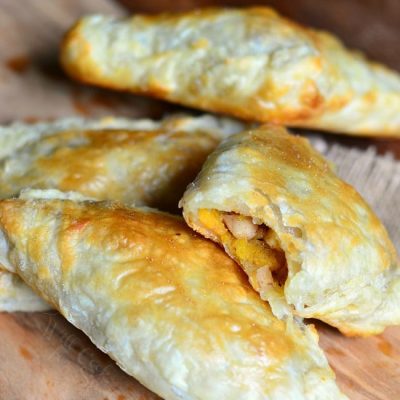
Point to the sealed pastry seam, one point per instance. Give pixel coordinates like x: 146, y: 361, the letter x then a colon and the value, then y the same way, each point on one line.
x: 170, y: 307
x: 308, y: 242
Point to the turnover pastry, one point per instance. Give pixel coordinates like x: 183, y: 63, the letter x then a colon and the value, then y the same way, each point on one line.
x: 135, y: 161
x: 251, y: 63
x: 169, y: 306
x: 307, y: 240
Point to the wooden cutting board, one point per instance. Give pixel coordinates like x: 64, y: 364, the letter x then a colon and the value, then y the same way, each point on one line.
x: 44, y: 357
x: 41, y: 355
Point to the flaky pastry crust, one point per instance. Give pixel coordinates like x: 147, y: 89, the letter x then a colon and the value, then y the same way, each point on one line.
x: 308, y: 241
x: 251, y: 63
x: 142, y: 162
x: 169, y: 306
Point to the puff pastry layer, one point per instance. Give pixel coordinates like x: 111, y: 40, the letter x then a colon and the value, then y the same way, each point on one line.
x: 135, y: 161
x: 143, y: 162
x: 251, y: 63
x: 307, y: 240
x: 169, y: 306
x: 16, y: 296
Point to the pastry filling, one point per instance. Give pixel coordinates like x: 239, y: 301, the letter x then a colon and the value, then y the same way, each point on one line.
x: 254, y: 246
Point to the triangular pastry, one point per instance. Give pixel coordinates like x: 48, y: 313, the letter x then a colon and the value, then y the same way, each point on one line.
x: 250, y: 62
x: 169, y: 306
x: 144, y: 162
x: 307, y: 240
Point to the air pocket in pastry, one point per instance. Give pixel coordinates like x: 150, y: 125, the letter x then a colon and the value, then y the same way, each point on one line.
x: 307, y: 240
x: 16, y: 296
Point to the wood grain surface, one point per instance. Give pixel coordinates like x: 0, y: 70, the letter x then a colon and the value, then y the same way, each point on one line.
x: 41, y: 355
x: 32, y: 85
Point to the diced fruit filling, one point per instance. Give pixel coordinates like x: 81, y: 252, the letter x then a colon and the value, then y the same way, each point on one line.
x: 255, y: 246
